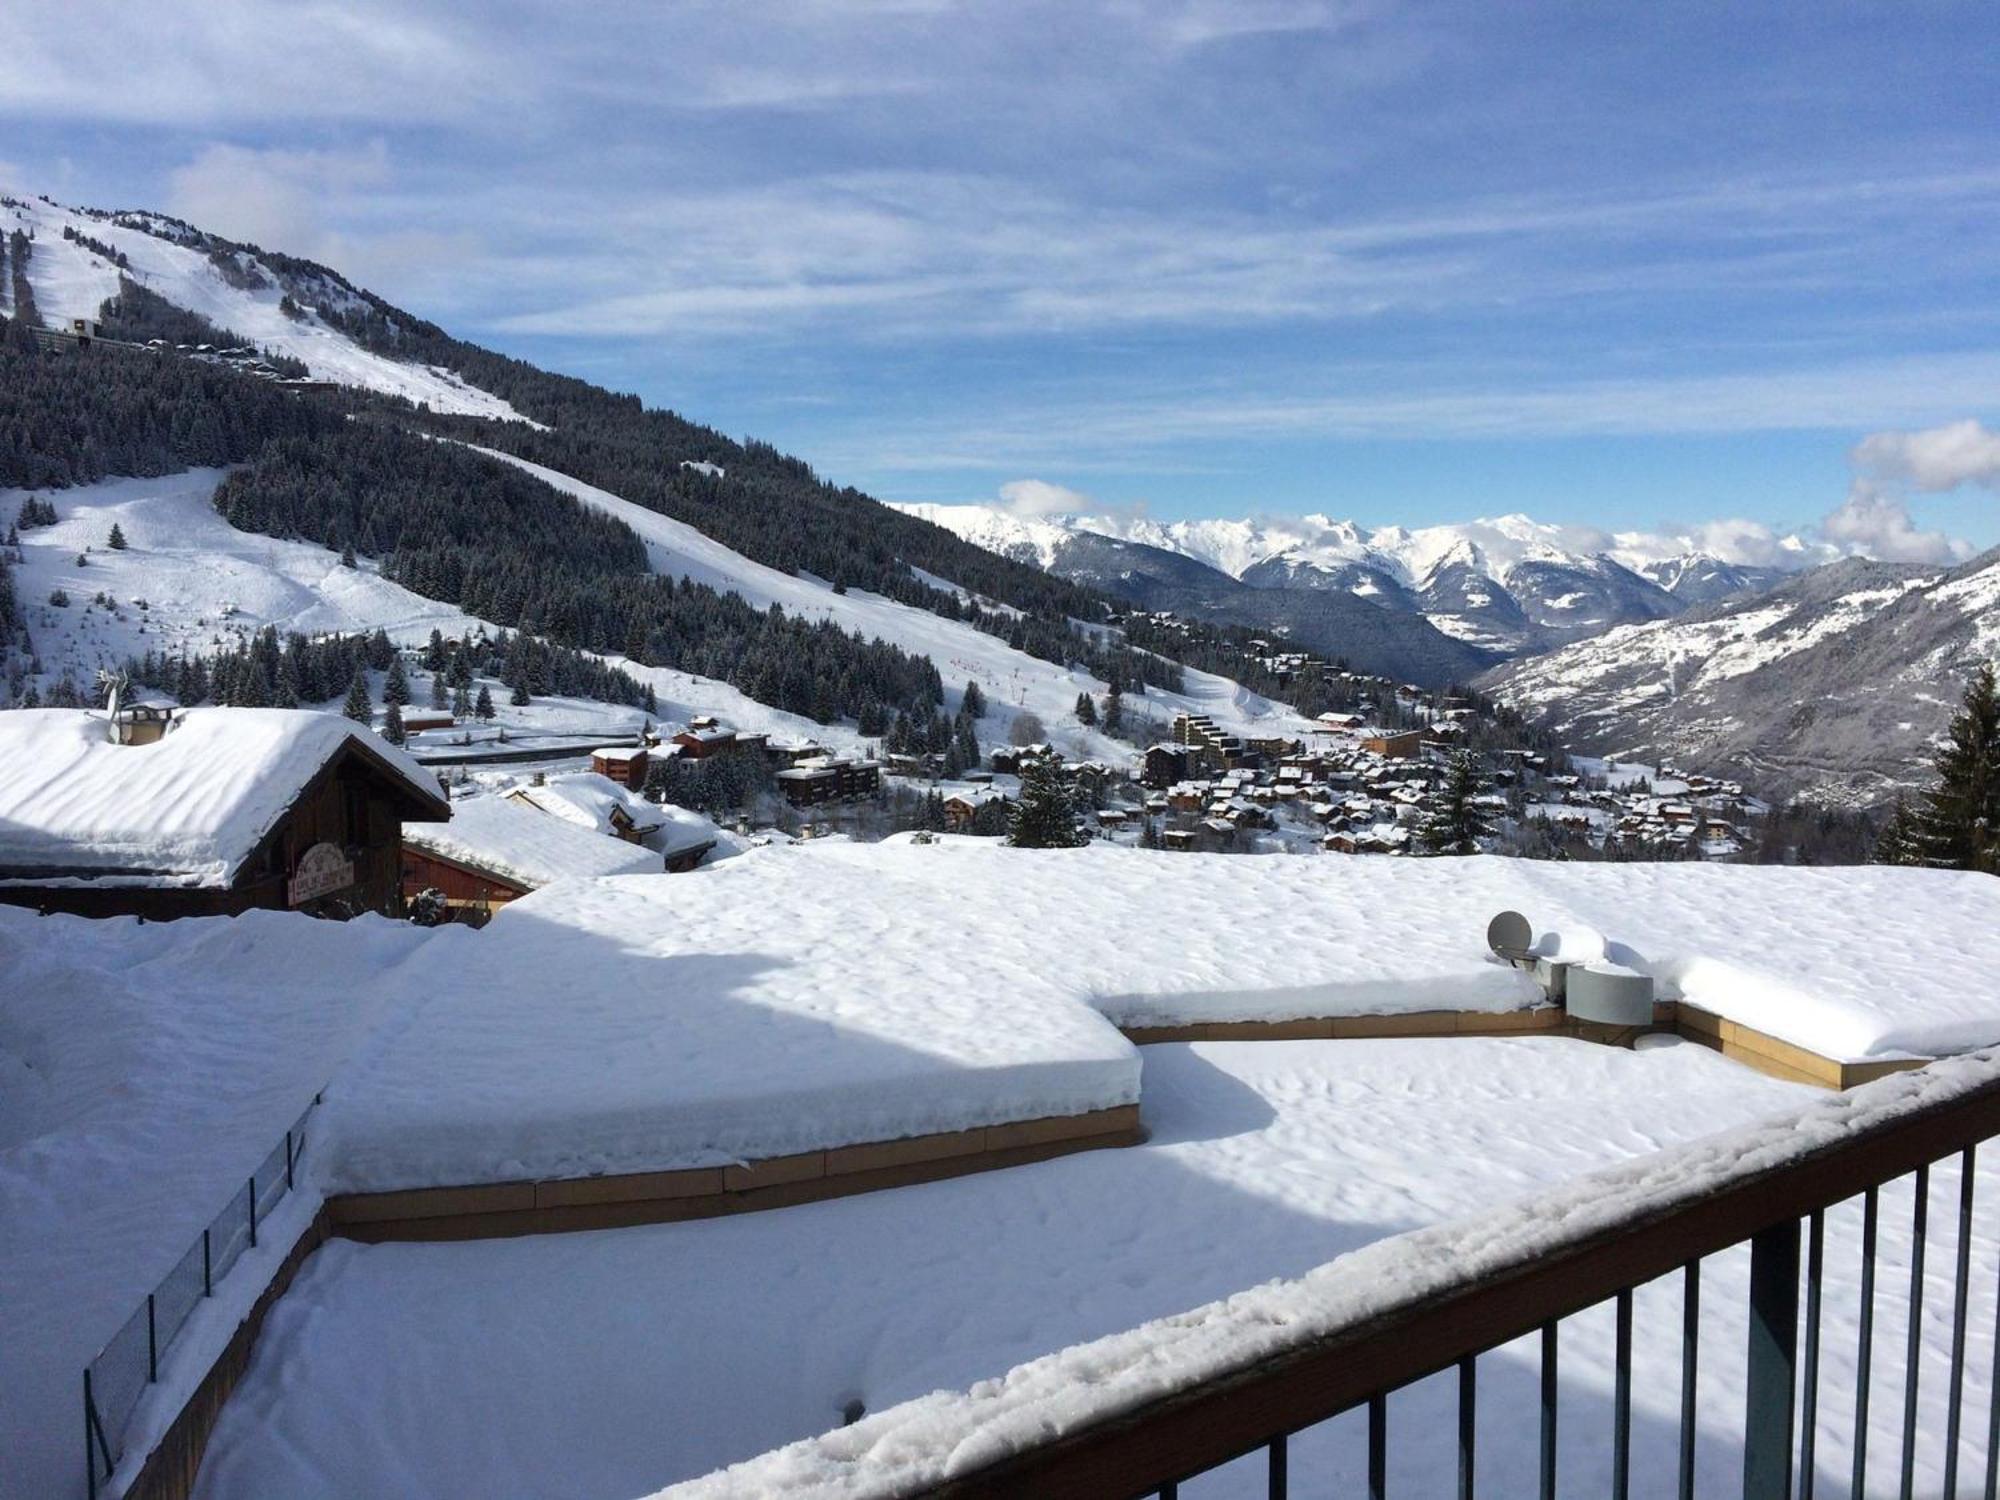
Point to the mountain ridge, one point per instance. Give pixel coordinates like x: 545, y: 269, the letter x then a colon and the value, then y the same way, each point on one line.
x: 1510, y: 585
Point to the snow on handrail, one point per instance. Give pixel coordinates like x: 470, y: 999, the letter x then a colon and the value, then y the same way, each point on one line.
x: 1693, y: 1200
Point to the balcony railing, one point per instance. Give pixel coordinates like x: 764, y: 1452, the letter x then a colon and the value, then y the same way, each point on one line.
x: 1239, y: 1383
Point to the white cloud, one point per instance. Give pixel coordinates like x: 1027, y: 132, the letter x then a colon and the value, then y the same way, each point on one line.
x: 1877, y: 523
x: 277, y: 199
x: 1032, y: 498
x: 232, y: 60
x: 1935, y: 459
x: 289, y: 200
x: 1875, y: 518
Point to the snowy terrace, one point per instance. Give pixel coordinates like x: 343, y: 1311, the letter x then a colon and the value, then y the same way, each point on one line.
x: 811, y: 998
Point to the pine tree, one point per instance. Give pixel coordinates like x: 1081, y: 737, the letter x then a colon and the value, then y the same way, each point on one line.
x: 117, y: 539
x: 1897, y: 844
x: 392, y: 725
x: 347, y: 556
x: 1958, y: 822
x: 461, y: 702
x: 519, y: 697
x: 1114, y: 709
x: 1045, y: 817
x: 1086, y: 710
x: 359, y: 707
x: 484, y: 705
x: 1456, y: 823
x: 438, y: 695
x: 396, y: 687
x: 974, y: 706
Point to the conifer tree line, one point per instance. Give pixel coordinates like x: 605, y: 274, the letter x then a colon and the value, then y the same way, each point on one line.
x: 294, y: 670
x: 1955, y: 823
x: 80, y: 415
x: 138, y: 315
x: 456, y: 525
x: 19, y: 249
x: 713, y: 785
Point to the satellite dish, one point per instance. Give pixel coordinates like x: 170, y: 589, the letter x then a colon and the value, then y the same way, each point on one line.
x: 1509, y: 935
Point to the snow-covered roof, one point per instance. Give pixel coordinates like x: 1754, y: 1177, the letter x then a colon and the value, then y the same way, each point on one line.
x: 525, y: 847
x: 619, y: 754
x: 681, y: 830
x: 186, y: 810
x: 589, y: 800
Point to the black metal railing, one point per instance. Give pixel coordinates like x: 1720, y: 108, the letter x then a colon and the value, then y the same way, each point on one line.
x: 1780, y: 1214
x: 130, y: 1360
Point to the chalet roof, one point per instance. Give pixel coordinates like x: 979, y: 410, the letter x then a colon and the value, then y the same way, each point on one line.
x: 184, y: 811
x: 682, y: 831
x: 620, y: 754
x: 524, y: 847
x: 590, y: 801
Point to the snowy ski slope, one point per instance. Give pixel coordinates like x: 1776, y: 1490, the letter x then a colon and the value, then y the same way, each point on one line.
x: 1011, y: 680
x: 71, y: 280
x: 204, y: 583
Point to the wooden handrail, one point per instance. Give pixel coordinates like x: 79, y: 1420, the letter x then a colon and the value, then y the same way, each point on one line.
x: 1608, y: 1232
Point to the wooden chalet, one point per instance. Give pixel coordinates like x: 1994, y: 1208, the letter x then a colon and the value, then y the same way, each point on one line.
x: 624, y: 764
x: 207, y: 812
x: 495, y: 850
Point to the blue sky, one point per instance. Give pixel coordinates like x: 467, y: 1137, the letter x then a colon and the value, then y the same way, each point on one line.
x: 1613, y: 265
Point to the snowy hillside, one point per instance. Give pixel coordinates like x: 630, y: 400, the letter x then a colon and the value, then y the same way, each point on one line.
x: 187, y: 581
x: 1833, y: 685
x: 1510, y: 584
x: 1011, y: 680
x: 240, y: 294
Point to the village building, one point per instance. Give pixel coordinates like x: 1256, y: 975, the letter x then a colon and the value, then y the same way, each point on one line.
x: 594, y: 802
x: 495, y: 850
x: 960, y: 808
x: 699, y: 744
x: 1401, y: 744
x: 829, y: 779
x: 209, y: 812
x: 624, y: 764
x: 1165, y: 765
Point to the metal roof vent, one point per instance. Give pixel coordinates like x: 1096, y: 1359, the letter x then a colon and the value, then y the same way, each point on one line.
x: 1609, y: 994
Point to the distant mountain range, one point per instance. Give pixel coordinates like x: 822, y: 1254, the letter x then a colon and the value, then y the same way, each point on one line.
x: 1492, y: 588
x: 1832, y: 685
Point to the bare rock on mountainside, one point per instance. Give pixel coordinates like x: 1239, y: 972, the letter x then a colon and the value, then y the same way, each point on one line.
x: 1831, y: 687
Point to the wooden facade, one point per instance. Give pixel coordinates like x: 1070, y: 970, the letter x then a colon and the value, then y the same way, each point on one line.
x: 472, y: 894
x: 336, y: 851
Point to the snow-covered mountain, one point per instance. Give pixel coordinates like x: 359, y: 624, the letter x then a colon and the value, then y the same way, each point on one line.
x: 1511, y: 585
x: 77, y: 259
x: 1831, y: 685
x: 206, y: 585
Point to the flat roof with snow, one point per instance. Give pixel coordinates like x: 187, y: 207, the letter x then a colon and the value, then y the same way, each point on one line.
x: 525, y: 847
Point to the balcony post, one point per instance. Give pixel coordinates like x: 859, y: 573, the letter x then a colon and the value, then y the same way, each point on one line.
x: 1773, y: 1368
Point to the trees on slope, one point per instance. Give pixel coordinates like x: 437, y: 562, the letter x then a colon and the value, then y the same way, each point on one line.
x: 359, y: 706
x: 1045, y: 815
x: 1455, y: 822
x: 1955, y: 825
